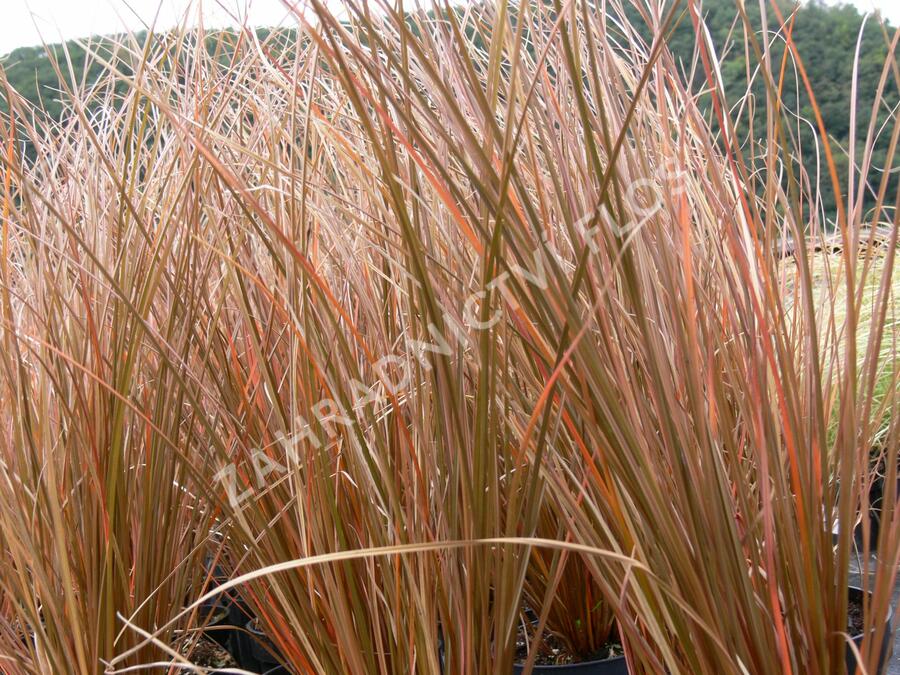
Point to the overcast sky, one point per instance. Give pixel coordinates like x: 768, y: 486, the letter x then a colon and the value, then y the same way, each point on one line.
x: 25, y: 22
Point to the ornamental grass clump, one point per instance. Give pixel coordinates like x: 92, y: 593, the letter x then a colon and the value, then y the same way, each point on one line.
x: 424, y: 318
x: 101, y: 387
x: 678, y: 391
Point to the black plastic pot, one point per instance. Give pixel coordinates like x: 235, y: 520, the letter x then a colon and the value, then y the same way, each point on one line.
x: 216, y: 615
x: 241, y: 651
x: 224, y: 612
x: 876, y: 500
x: 239, y: 643
x: 613, y: 666
x: 253, y: 651
x: 886, y: 641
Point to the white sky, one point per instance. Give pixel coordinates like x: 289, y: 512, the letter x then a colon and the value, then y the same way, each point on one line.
x: 24, y: 22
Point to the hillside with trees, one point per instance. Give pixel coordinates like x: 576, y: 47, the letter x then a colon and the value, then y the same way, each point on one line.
x: 826, y: 37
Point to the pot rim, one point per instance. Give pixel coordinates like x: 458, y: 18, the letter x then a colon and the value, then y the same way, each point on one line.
x: 580, y: 664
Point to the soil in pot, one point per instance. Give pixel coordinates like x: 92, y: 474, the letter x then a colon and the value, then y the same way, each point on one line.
x: 856, y: 628
x: 554, y: 657
x: 201, y: 651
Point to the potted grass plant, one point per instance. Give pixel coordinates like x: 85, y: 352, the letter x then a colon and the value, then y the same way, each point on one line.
x: 339, y: 443
x: 715, y: 374
x: 686, y: 379
x: 102, y: 522
x: 691, y: 378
